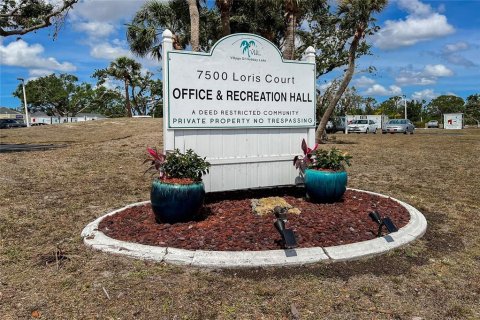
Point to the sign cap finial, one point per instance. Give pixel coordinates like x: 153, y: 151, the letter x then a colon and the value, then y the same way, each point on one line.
x: 167, y: 34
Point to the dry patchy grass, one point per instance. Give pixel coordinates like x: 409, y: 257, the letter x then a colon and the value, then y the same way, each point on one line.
x: 49, y: 196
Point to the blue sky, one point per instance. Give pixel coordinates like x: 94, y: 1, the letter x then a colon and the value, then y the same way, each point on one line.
x: 424, y: 49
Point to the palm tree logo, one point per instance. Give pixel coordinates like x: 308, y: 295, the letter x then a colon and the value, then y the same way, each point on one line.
x: 246, y: 45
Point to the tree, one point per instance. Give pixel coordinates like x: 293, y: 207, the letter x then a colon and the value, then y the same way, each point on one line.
x: 23, y: 16
x: 194, y: 25
x: 110, y: 103
x: 472, y: 108
x: 354, y: 21
x: 270, y: 24
x: 370, y: 105
x: 390, y: 107
x: 444, y: 104
x: 415, y: 110
x: 60, y: 95
x: 291, y: 11
x: 145, y: 31
x: 146, y: 94
x: 225, y: 7
x: 123, y: 69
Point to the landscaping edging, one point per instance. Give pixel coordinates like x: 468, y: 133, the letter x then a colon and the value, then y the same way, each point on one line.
x: 415, y: 228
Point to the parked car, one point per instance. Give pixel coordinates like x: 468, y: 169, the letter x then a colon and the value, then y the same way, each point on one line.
x: 432, y: 124
x: 11, y: 123
x: 339, y: 123
x: 362, y: 126
x: 399, y: 125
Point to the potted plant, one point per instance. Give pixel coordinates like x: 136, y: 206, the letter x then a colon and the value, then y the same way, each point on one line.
x: 324, y: 172
x: 177, y: 192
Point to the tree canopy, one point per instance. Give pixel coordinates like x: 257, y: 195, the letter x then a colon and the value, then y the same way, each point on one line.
x: 141, y: 92
x: 62, y: 95
x: 445, y: 104
x: 472, y: 108
x: 123, y: 69
x: 18, y: 17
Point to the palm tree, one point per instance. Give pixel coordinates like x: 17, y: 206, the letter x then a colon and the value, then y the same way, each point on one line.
x: 123, y: 69
x: 194, y: 25
x: 291, y: 11
x: 356, y: 17
x: 225, y: 7
x: 145, y: 30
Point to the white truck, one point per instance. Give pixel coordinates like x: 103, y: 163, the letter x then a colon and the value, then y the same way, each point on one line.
x: 380, y: 120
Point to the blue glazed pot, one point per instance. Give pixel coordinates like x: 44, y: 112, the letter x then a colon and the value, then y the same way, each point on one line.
x: 325, y: 186
x: 173, y: 203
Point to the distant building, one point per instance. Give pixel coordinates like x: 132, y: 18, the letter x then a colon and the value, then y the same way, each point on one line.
x: 42, y: 117
x: 7, y: 113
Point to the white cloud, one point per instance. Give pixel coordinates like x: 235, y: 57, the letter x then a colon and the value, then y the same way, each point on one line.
x: 454, y: 47
x: 427, y: 94
x: 414, y: 80
x: 451, y: 54
x: 109, y: 52
x: 20, y: 54
x: 105, y: 11
x: 415, y: 7
x: 428, y: 76
x: 437, y: 70
x: 421, y: 24
x: 379, y: 90
x: 37, y: 73
x: 363, y: 82
x: 395, y: 90
x: 111, y: 84
x: 95, y: 29
x: 324, y: 86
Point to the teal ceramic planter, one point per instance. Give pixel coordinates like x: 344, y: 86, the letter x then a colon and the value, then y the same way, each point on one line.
x: 325, y: 186
x: 173, y: 203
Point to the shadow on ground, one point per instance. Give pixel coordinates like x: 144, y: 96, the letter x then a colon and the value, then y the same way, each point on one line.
x: 438, y: 243
x: 28, y: 147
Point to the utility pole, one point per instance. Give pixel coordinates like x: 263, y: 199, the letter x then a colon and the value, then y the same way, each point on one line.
x: 25, y: 101
x: 405, y: 100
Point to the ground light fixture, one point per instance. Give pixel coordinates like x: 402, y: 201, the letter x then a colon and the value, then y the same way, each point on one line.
x: 288, y: 236
x: 385, y: 221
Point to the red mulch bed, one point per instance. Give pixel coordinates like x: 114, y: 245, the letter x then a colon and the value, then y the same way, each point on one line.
x: 227, y: 223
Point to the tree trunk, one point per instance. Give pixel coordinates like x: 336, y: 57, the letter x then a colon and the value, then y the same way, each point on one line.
x: 194, y: 25
x: 127, y: 100
x: 289, y: 50
x: 343, y: 85
x: 225, y: 6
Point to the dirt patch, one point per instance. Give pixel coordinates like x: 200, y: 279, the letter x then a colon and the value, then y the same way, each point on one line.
x: 231, y: 224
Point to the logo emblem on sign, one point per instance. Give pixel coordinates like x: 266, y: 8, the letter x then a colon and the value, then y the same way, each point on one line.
x: 249, y: 48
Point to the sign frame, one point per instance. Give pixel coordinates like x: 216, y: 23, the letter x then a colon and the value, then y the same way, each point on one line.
x: 167, y: 83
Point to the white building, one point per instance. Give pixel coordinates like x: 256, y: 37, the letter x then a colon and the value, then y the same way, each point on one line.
x: 42, y: 117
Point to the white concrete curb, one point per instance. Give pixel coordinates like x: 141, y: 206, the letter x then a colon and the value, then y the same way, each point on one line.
x: 247, y: 259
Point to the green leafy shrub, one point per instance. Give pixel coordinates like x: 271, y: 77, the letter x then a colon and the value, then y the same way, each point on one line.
x: 177, y: 165
x: 334, y: 160
x: 321, y: 159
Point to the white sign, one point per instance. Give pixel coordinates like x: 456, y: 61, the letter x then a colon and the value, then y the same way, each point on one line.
x: 242, y: 83
x: 453, y: 121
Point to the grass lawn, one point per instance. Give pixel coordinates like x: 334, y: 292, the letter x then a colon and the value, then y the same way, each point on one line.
x: 49, y: 196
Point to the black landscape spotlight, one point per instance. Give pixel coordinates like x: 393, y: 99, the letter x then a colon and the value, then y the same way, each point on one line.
x: 288, y: 237
x: 385, y: 221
